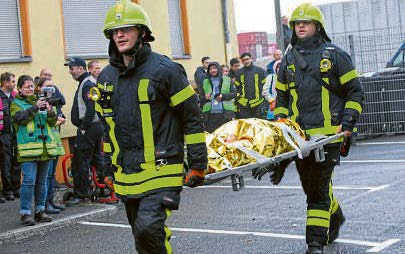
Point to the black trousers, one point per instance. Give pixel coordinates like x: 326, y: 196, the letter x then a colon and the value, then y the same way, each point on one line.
x: 87, y: 153
x: 316, y: 179
x: 9, y: 167
x: 213, y: 121
x: 147, y: 218
x: 247, y: 112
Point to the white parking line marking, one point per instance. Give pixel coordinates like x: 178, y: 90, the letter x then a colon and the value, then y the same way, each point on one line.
x: 298, y: 187
x: 380, y: 143
x: 383, y: 245
x: 377, y: 247
x: 373, y: 161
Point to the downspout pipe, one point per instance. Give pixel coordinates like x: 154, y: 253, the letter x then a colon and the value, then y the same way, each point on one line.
x: 228, y: 48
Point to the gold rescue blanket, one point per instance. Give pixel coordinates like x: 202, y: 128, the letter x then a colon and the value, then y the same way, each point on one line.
x: 262, y: 136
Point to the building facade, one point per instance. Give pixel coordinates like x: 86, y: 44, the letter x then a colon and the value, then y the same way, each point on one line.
x: 44, y: 33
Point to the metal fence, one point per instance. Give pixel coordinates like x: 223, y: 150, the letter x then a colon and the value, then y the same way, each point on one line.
x: 384, y: 111
x: 370, y: 49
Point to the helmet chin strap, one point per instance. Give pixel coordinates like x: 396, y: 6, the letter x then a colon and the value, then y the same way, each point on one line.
x: 133, y: 52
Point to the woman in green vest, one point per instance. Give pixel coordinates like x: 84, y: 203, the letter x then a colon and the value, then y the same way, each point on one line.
x: 33, y: 119
x: 218, y: 95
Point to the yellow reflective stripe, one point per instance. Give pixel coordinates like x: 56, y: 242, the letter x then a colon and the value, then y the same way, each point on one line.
x: 168, y: 234
x: 257, y: 86
x: 152, y: 184
x: 237, y: 83
x: 348, y: 76
x: 330, y: 130
x: 252, y: 105
x: 145, y: 175
x: 98, y: 108
x: 182, y: 95
x: 291, y: 67
x: 146, y: 118
x: 143, y: 90
x: 327, y: 116
x: 318, y: 222
x: 114, y: 142
x: 195, y: 138
x: 242, y: 80
x: 31, y: 146
x: 334, y: 205
x: 264, y: 81
x: 326, y: 80
x: 294, y: 107
x: 281, y: 110
x: 318, y: 213
x: 354, y: 105
x: 107, y: 147
x: 243, y: 101
x: 107, y: 87
x: 281, y: 86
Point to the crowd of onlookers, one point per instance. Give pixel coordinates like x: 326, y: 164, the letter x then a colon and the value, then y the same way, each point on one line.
x: 30, y: 146
x: 235, y: 92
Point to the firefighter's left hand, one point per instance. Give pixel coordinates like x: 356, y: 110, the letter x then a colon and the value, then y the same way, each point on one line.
x: 194, y: 178
x: 347, y: 133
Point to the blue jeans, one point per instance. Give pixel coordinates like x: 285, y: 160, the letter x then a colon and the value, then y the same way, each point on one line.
x: 51, y: 179
x: 33, y: 184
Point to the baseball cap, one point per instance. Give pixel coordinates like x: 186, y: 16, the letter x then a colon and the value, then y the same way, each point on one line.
x: 76, y: 61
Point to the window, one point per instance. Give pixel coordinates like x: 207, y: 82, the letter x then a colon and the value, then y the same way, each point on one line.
x: 178, y: 25
x: 14, y: 31
x: 399, y: 60
x: 83, y: 23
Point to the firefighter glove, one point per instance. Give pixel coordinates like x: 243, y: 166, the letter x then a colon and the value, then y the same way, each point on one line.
x: 194, y: 178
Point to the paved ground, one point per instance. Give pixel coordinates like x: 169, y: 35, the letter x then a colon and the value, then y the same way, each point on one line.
x: 261, y: 218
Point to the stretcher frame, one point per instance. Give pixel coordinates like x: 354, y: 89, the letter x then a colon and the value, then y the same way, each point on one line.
x: 302, y: 149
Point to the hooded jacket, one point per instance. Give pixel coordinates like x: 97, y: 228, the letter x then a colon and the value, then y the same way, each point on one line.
x: 154, y: 112
x: 226, y: 88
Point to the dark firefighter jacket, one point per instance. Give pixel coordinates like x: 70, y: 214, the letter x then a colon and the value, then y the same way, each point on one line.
x: 249, y: 85
x: 316, y: 108
x: 154, y: 113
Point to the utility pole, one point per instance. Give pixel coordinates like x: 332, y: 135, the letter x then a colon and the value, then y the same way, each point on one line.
x: 279, y: 33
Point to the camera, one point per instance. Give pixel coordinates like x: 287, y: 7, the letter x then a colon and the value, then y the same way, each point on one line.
x: 46, y: 94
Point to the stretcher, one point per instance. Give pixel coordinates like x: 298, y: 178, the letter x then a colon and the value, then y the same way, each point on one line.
x: 302, y: 149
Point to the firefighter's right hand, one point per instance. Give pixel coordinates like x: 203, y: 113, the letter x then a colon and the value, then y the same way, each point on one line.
x: 194, y: 178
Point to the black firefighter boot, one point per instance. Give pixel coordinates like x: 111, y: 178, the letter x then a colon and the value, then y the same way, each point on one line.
x: 336, y: 221
x: 314, y: 248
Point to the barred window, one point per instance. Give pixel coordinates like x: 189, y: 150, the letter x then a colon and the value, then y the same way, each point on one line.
x: 178, y: 27
x: 11, y: 32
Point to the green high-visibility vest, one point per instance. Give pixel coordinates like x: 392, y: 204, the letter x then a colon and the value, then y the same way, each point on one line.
x: 33, y: 138
x: 225, y: 89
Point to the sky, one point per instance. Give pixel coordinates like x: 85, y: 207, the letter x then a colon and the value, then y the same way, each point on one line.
x: 259, y: 15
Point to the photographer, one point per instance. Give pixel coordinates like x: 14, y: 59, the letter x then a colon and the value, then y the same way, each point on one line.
x: 32, y: 121
x: 46, y: 89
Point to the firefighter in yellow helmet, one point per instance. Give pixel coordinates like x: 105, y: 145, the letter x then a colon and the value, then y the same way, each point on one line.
x: 317, y: 86
x: 152, y: 112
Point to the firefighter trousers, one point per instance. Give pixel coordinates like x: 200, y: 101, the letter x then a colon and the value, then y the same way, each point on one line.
x: 147, y: 216
x: 323, y: 210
